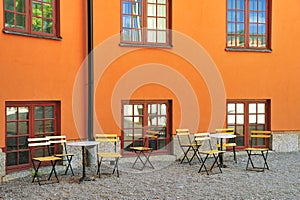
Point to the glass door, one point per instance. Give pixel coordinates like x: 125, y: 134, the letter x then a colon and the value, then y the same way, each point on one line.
x: 139, y: 116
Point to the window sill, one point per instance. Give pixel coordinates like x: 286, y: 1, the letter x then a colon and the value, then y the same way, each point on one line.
x: 32, y: 35
x: 248, y: 50
x: 146, y: 46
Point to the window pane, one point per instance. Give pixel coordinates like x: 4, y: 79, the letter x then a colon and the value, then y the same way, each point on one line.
x: 231, y: 4
x: 152, y: 108
x: 231, y: 28
x: 20, y: 6
x: 11, y: 144
x: 11, y: 113
x: 151, y: 10
x: 9, y: 20
x: 38, y: 112
x: 128, y: 134
x: 252, y: 108
x: 11, y: 128
x: 126, y: 34
x: 161, y: 1
x: 253, y: 4
x: 23, y: 128
x: 137, y: 22
x: 21, y: 21
x: 231, y: 108
x: 231, y: 16
x: 261, y: 17
x: 240, y: 108
x: 231, y: 119
x: 253, y: 17
x: 240, y: 119
x: 49, y: 126
x: 23, y: 144
x: 252, y: 119
x: 48, y: 26
x: 163, y: 109
x: 151, y: 1
x: 162, y: 121
x: 128, y: 122
x: 47, y: 8
x: 262, y: 5
x: 23, y: 113
x: 261, y: 119
x: 11, y: 159
x: 138, y: 109
x: 36, y: 9
x: 162, y: 23
x: 152, y: 121
x: 127, y: 21
x: 261, y: 108
x: 39, y: 127
x: 49, y: 111
x: 127, y: 110
x: 137, y: 35
x: 240, y: 17
x: 161, y: 11
x: 240, y: 28
x: 23, y: 157
x: 240, y: 4
x: 151, y: 23
x: 261, y: 29
x: 253, y: 41
x: 37, y: 24
x: 126, y: 8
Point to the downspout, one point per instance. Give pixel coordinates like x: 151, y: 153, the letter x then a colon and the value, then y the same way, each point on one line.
x: 90, y: 71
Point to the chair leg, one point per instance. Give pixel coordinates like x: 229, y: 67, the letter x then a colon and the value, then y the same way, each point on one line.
x: 203, y: 165
x: 69, y: 159
x: 216, y: 157
x: 36, y: 169
x: 185, y: 155
x: 116, y: 167
x: 99, y: 167
x: 234, y: 155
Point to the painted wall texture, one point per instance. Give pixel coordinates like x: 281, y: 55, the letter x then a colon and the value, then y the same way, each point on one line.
x: 197, y: 73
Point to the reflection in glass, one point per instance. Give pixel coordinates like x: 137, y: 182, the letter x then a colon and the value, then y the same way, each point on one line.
x: 128, y: 134
x: 252, y: 119
x: 11, y: 159
x: 38, y: 112
x: 261, y: 108
x: 161, y: 11
x: 11, y: 144
x: 127, y: 110
x: 138, y: 122
x: 231, y: 108
x: 39, y: 126
x: 23, y: 144
x: 11, y: 128
x: 23, y: 157
x: 162, y: 121
x: 11, y: 113
x: 151, y: 36
x: 23, y: 128
x: 261, y: 119
x: 151, y: 23
x: 49, y: 111
x: 138, y: 134
x: 128, y: 123
x: 49, y: 126
x: 151, y: 10
x: 240, y: 119
x: 231, y: 119
x: 239, y: 108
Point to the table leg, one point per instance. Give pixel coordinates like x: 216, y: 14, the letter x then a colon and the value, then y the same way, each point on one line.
x: 221, y: 154
x: 84, y: 178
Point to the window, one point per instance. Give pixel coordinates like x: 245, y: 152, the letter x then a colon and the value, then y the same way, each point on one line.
x: 248, y: 24
x: 145, y: 22
x: 247, y: 115
x: 138, y: 116
x: 23, y: 120
x: 34, y: 17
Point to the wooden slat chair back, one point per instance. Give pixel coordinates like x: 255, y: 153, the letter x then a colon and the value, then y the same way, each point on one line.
x: 187, y: 145
x: 231, y: 142
x: 255, y: 150
x: 62, y: 140
x: 108, y: 142
x: 208, y: 151
x: 34, y: 145
x: 144, y: 150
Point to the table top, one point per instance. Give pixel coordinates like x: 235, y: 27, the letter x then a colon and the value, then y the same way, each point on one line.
x: 83, y: 143
x: 222, y: 135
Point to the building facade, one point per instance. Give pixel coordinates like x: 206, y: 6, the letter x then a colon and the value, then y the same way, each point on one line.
x: 157, y: 64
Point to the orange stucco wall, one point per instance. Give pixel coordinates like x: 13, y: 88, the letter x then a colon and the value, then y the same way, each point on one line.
x: 42, y: 69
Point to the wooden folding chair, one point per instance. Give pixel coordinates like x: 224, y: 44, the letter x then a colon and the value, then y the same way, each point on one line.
x: 207, y: 152
x: 259, y: 146
x: 230, y: 143
x: 40, y: 153
x: 144, y: 150
x: 187, y: 145
x: 108, y: 143
x: 64, y: 155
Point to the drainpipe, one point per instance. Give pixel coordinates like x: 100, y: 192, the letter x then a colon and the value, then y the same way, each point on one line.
x: 90, y: 71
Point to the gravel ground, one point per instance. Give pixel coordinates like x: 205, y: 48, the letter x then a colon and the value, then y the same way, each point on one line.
x: 171, y: 180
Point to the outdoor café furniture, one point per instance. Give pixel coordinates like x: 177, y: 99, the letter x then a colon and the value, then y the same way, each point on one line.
x: 143, y: 152
x: 83, y: 145
x: 222, y: 136
x: 108, y: 141
x: 230, y: 142
x: 187, y: 145
x: 61, y: 140
x: 258, y: 139
x: 208, y: 151
x: 40, y: 153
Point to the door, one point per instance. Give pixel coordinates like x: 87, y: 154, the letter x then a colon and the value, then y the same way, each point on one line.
x: 139, y: 116
x: 247, y: 115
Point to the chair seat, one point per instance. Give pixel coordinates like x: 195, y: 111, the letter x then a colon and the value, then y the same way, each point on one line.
x: 214, y: 151
x: 109, y: 155
x: 62, y: 155
x: 227, y: 145
x: 256, y: 149
x: 141, y: 148
x: 46, y: 158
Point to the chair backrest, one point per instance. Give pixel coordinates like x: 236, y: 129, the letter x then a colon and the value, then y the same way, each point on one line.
x: 108, y: 138
x: 183, y: 136
x: 38, y: 142
x: 200, y: 138
x: 260, y: 134
x: 58, y: 139
x: 225, y: 130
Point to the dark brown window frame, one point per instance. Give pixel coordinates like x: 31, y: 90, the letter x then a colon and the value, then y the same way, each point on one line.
x: 55, y: 35
x: 143, y: 29
x: 246, y: 35
x: 31, y: 129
